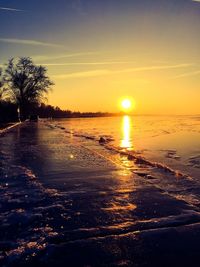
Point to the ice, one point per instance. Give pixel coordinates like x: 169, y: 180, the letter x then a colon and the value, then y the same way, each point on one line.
x: 55, y: 206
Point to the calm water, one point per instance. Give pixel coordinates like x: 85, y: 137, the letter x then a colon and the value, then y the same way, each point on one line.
x: 173, y: 141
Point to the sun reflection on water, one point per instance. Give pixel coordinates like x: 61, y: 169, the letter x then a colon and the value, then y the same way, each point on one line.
x: 126, y: 141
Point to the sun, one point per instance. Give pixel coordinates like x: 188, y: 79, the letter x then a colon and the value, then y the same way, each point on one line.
x: 126, y: 104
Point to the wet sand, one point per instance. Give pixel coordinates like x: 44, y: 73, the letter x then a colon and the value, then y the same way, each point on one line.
x: 67, y: 201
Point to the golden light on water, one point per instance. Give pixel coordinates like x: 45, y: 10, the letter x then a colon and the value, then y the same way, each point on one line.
x: 126, y: 132
x: 71, y: 156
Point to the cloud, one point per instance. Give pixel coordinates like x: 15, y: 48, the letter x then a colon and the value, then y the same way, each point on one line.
x: 103, y: 72
x: 87, y: 63
x: 92, y: 73
x: 187, y: 74
x: 40, y: 58
x: 11, y: 9
x: 27, y: 42
x: 198, y: 1
x: 159, y: 67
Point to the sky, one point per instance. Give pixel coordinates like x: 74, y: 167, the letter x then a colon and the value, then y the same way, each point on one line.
x: 99, y: 52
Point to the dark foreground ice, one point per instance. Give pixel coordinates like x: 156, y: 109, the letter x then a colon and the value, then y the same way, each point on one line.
x: 67, y: 201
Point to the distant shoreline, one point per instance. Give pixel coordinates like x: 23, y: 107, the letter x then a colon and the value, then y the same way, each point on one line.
x: 104, y: 115
x: 77, y: 115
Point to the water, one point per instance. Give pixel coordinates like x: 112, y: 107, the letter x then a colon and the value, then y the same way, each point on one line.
x: 171, y: 140
x: 67, y: 198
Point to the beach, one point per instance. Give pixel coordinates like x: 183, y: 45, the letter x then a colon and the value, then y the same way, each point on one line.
x: 68, y: 200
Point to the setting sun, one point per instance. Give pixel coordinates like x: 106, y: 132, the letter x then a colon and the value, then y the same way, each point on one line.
x: 126, y: 104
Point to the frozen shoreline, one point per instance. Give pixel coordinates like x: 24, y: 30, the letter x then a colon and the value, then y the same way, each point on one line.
x: 5, y: 129
x: 63, y: 197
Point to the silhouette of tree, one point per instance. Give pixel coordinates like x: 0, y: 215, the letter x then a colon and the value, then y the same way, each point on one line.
x: 1, y: 85
x: 4, y: 96
x: 26, y: 84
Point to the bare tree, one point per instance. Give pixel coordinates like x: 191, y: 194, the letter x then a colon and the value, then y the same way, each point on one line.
x: 26, y: 83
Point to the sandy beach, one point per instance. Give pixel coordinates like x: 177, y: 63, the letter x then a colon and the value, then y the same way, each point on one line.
x: 68, y: 201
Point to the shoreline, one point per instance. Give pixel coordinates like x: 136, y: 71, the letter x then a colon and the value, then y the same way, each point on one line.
x: 7, y: 128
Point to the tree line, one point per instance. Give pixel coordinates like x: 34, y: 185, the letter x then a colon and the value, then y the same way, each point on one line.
x: 23, y: 92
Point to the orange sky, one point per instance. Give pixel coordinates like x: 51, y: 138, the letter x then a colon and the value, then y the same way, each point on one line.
x: 98, y: 52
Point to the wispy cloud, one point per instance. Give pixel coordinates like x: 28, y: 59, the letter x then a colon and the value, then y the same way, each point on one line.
x: 40, y: 58
x: 187, y: 74
x: 92, y: 73
x: 159, y: 67
x: 86, y: 63
x: 103, y: 72
x: 27, y: 42
x: 198, y: 1
x: 11, y: 9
